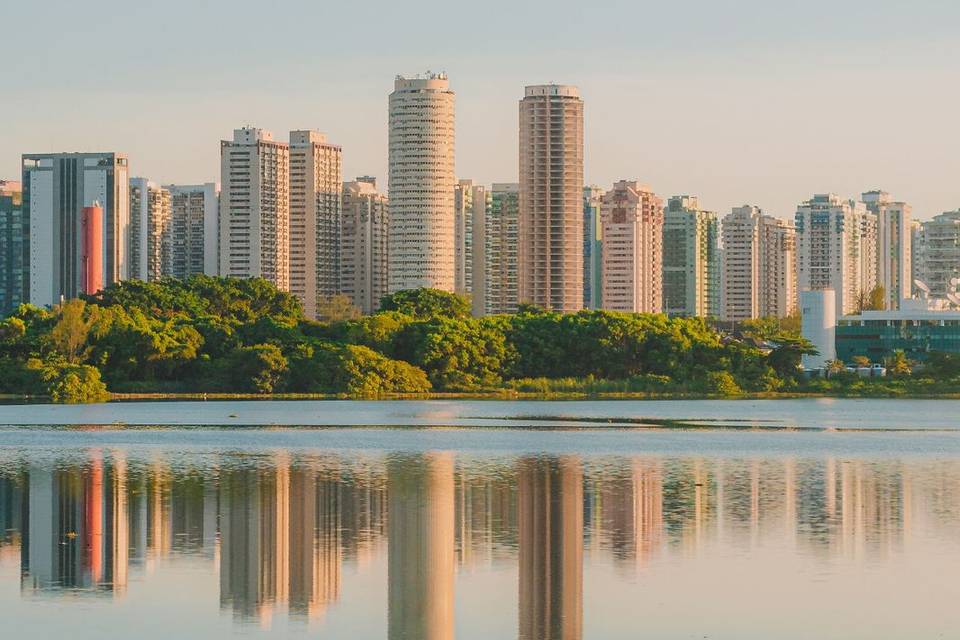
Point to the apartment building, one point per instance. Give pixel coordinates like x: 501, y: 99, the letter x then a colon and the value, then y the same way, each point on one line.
x: 364, y: 235
x: 691, y: 259
x: 632, y: 266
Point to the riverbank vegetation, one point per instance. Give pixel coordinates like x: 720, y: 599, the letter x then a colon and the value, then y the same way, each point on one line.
x: 228, y: 336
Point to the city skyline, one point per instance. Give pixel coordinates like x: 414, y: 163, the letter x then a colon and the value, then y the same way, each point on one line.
x: 767, y: 74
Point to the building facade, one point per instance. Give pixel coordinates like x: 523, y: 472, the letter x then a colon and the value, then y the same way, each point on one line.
x: 255, y: 207
x: 592, y: 247
x: 364, y: 236
x: 56, y: 188
x: 551, y: 197
x: 758, y: 271
x: 422, y: 180
x: 194, y: 225
x: 150, y: 230
x: 469, y: 206
x: 316, y: 181
x: 13, y: 260
x: 691, y: 259
x: 632, y: 267
x: 894, y: 246
x: 501, y: 250
x: 836, y: 242
x: 915, y: 328
x: 940, y: 253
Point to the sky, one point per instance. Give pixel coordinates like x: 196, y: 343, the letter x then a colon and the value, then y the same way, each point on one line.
x: 736, y: 101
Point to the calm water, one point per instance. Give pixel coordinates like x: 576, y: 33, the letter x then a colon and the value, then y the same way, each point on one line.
x: 836, y: 519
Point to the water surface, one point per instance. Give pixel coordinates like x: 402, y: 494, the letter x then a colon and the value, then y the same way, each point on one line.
x: 452, y: 531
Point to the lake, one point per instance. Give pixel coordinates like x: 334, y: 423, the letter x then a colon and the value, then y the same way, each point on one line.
x: 481, y: 519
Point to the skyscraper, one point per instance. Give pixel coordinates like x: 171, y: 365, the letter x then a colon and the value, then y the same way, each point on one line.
x: 592, y: 247
x: 632, y: 271
x: 759, y: 265
x: 894, y: 246
x: 482, y: 201
x: 501, y: 250
x: 150, y: 230
x: 551, y: 197
x: 691, y: 259
x: 836, y: 242
x: 255, y: 207
x: 56, y: 188
x: 422, y: 180
x: 13, y: 261
x: 194, y: 226
x: 365, y: 229
x: 315, y: 191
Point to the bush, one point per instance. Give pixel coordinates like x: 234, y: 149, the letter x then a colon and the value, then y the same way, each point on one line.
x: 74, y: 384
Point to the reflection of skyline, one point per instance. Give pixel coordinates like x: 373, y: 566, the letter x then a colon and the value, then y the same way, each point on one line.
x: 281, y: 530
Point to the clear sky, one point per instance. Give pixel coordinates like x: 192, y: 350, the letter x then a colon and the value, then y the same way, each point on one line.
x: 759, y: 101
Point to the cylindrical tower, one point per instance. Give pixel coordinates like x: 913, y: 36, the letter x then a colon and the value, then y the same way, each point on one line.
x: 91, y: 272
x: 551, y: 197
x: 422, y: 181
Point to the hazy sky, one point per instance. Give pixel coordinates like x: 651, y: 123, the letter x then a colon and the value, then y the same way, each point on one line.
x: 759, y: 101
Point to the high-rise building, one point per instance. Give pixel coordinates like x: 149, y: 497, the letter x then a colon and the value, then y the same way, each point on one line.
x: 364, y: 235
x: 894, y: 246
x: 836, y: 249
x: 940, y: 253
x: 56, y: 188
x: 422, y: 180
x: 13, y: 260
x: 691, y: 259
x: 255, y: 207
x: 916, y: 249
x: 315, y: 191
x: 758, y: 265
x: 632, y: 266
x: 592, y: 246
x: 463, y: 248
x: 551, y: 197
x: 501, y: 250
x: 150, y: 230
x: 194, y: 228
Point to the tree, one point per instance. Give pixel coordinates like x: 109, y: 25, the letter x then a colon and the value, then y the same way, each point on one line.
x: 261, y: 368
x: 427, y: 303
x: 337, y: 308
x: 942, y: 365
x: 786, y: 355
x: 898, y: 364
x: 860, y: 361
x: 874, y: 300
x: 69, y: 334
x: 835, y: 367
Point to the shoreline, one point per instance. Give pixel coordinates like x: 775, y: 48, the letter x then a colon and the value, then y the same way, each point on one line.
x: 493, y: 395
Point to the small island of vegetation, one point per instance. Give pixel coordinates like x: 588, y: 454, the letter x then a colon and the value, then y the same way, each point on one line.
x: 210, y: 335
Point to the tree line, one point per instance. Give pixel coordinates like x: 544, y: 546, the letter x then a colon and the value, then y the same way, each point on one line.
x: 220, y: 335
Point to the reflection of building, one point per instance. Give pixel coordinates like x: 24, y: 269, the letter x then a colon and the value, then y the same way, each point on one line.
x: 628, y: 513
x: 421, y: 547
x: 485, y: 518
x: 551, y: 549
x: 76, y: 534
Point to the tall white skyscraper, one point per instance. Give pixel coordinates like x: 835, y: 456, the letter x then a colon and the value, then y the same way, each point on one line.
x: 195, y: 221
x: 758, y: 265
x: 836, y: 249
x: 315, y: 186
x: 365, y: 229
x: 894, y: 246
x: 632, y: 276
x: 422, y: 181
x: 56, y: 188
x: 551, y: 197
x: 255, y: 207
x: 150, y: 230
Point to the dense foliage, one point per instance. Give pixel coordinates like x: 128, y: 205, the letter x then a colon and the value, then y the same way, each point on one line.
x: 244, y: 336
